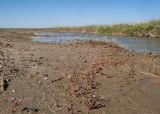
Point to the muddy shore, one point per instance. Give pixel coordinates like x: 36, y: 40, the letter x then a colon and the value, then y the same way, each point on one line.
x: 75, y: 78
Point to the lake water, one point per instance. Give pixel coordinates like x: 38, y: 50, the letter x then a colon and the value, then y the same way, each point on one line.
x: 134, y: 44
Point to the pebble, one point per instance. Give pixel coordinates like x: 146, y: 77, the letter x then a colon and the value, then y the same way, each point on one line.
x: 98, y: 104
x: 13, y: 98
x: 85, y: 61
x: 69, y: 76
x: 27, y: 109
x: 13, y: 91
x: 39, y: 82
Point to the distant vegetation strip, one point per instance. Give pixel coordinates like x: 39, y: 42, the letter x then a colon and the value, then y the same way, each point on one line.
x: 146, y: 29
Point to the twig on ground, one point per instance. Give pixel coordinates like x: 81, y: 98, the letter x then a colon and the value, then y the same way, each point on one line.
x: 150, y: 74
x: 57, y: 79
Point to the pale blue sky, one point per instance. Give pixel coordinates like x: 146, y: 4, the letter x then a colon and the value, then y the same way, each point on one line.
x: 51, y: 13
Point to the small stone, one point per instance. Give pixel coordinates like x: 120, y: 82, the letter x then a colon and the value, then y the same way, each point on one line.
x: 98, y: 103
x: 39, y: 82
x: 4, y: 83
x: 45, y: 75
x: 69, y: 76
x: 79, y: 111
x: 85, y: 61
x: 13, y: 91
x: 29, y: 109
x: 150, y: 53
x: 45, y: 78
x: 13, y: 98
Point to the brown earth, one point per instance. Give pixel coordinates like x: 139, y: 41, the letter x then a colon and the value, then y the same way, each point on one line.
x: 75, y: 78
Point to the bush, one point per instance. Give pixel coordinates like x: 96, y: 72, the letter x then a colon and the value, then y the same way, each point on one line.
x: 157, y: 29
x: 105, y: 29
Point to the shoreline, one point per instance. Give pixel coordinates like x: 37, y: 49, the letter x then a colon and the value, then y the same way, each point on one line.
x: 97, y: 35
x: 78, y: 77
x: 94, y: 33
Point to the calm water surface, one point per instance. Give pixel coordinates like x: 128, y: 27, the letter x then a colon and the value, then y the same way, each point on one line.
x: 134, y: 44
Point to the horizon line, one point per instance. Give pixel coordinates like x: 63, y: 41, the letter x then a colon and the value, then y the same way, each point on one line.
x: 129, y: 23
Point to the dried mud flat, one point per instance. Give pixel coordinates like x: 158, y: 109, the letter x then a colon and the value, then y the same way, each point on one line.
x: 75, y: 78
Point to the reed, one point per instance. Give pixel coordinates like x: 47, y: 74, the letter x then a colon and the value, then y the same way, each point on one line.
x: 146, y: 29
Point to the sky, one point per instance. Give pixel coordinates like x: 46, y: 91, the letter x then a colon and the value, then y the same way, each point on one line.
x: 53, y: 13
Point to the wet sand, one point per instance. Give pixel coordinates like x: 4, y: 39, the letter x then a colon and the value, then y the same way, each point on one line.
x: 75, y: 78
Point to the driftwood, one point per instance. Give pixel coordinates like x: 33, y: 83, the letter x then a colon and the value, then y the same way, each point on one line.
x: 150, y: 74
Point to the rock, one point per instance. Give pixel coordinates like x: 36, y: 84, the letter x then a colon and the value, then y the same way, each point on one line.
x: 97, y: 103
x: 13, y: 91
x: 4, y: 83
x: 85, y: 61
x: 40, y: 82
x: 27, y: 109
x: 13, y: 98
x: 150, y: 53
x: 69, y: 76
x: 45, y: 78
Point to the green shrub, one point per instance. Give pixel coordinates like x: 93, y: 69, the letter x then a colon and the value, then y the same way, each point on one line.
x: 157, y: 29
x: 128, y: 30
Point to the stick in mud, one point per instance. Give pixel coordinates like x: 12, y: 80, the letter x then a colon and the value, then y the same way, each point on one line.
x: 150, y: 74
x: 57, y: 79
